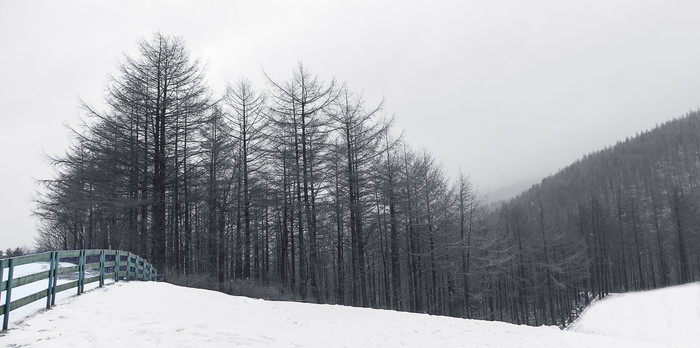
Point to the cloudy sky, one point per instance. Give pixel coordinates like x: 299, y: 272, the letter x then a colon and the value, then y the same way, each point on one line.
x: 509, y: 91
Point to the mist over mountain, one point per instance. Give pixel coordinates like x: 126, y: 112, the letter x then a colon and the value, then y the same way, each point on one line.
x: 506, y: 192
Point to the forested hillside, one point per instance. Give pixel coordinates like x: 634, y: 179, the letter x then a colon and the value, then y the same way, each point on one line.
x: 301, y: 184
x: 621, y: 219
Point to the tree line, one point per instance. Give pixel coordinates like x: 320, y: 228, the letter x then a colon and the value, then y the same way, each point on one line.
x: 303, y: 184
x: 14, y: 252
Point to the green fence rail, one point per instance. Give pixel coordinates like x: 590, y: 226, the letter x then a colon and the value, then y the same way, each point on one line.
x: 111, y: 264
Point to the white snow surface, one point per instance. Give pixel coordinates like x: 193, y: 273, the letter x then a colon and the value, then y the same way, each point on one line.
x: 149, y: 314
x: 669, y: 316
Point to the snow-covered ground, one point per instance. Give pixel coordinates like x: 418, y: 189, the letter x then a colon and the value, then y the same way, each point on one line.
x: 31, y: 288
x: 669, y: 316
x: 148, y: 314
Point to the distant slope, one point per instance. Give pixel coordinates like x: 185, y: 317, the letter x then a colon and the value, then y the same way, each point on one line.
x: 668, y: 316
x: 621, y: 219
x: 164, y: 315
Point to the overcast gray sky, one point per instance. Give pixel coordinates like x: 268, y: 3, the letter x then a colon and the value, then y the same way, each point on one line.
x: 509, y: 91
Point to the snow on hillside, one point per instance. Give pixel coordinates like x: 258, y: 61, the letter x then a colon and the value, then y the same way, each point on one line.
x: 669, y: 316
x: 148, y: 314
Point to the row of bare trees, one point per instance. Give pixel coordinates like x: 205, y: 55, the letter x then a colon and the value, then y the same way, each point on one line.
x: 303, y: 185
x: 300, y: 184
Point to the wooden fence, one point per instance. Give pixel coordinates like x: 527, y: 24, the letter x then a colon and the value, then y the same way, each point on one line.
x: 121, y: 265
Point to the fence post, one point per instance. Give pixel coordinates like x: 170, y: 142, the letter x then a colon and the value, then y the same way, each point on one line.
x: 57, y: 258
x: 52, y: 269
x: 81, y: 271
x: 128, y: 266
x: 82, y: 282
x: 102, y: 268
x: 2, y: 269
x: 117, y: 260
x: 80, y: 268
x: 8, y: 294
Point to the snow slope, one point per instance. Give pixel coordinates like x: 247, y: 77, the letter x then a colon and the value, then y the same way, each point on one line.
x: 148, y: 314
x: 669, y: 316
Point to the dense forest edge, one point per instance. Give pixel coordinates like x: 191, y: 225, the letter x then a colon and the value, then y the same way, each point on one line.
x: 301, y: 190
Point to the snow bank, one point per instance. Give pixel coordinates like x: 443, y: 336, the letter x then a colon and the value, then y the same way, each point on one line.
x: 669, y: 316
x: 147, y: 314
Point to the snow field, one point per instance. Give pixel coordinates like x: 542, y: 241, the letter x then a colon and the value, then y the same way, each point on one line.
x: 669, y: 316
x: 148, y: 314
